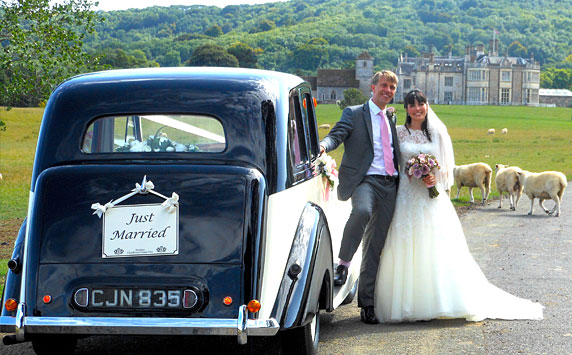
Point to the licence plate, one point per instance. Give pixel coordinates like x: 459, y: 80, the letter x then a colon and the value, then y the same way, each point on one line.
x: 140, y: 298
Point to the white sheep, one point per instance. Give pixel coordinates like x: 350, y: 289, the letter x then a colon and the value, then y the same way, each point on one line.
x: 324, y: 126
x: 507, y: 181
x: 543, y: 186
x: 491, y: 131
x: 474, y: 175
x: 504, y: 131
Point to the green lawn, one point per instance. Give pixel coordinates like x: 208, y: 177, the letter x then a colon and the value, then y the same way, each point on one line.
x: 538, y: 138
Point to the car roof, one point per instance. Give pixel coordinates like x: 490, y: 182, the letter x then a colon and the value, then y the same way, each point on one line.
x: 235, y: 96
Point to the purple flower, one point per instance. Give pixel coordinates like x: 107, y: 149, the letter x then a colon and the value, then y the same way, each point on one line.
x: 425, y: 169
x: 417, y: 173
x: 431, y: 162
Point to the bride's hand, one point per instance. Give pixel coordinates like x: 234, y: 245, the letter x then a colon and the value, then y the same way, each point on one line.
x: 430, y: 180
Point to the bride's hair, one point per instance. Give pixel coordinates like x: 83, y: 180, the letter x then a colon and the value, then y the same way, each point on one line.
x: 410, y: 98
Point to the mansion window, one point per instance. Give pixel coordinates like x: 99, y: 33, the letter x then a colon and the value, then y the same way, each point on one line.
x: 505, y: 76
x: 448, y: 81
x: 477, y: 95
x: 530, y: 77
x: 406, y: 84
x: 448, y: 96
x: 475, y: 75
x: 505, y: 96
x: 529, y: 96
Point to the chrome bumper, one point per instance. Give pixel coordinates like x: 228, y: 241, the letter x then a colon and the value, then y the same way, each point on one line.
x: 242, y: 327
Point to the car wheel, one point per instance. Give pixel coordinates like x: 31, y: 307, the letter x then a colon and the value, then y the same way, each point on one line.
x: 350, y: 297
x: 54, y: 344
x: 303, y: 340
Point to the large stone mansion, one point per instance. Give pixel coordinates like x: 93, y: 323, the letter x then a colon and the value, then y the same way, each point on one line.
x: 477, y: 78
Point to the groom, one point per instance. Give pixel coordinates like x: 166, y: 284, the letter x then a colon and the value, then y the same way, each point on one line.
x: 368, y: 174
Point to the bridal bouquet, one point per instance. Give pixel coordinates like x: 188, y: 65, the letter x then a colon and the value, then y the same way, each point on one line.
x: 326, y: 166
x: 420, y: 167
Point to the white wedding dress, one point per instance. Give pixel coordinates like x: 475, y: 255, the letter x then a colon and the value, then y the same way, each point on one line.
x: 426, y: 270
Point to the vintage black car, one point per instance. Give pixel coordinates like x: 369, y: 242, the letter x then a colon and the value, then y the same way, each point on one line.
x: 177, y: 201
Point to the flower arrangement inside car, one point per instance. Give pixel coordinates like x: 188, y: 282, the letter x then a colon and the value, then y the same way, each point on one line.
x: 156, y: 143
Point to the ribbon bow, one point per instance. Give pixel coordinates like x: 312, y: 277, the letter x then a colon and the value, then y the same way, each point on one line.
x: 100, y: 209
x: 171, y: 203
x: 144, y: 187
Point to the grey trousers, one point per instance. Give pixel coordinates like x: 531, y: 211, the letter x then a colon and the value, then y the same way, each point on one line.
x: 373, y: 203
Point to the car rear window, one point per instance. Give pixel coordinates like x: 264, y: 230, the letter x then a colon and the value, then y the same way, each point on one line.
x: 154, y: 133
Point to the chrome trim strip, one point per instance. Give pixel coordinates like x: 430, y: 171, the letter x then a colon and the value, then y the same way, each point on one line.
x: 21, y: 312
x: 7, y: 324
x: 241, y: 327
x: 241, y: 324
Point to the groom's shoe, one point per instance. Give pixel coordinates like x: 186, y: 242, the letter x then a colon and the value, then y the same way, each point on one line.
x: 368, y: 315
x: 341, y: 275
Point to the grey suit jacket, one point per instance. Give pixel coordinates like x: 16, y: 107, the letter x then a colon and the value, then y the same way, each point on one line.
x: 354, y: 130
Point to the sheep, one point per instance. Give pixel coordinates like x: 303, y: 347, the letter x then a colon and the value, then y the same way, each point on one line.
x: 473, y: 175
x: 491, y: 131
x: 543, y: 186
x: 324, y: 126
x: 507, y: 181
x: 504, y: 131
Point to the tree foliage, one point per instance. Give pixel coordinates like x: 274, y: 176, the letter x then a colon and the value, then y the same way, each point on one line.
x: 244, y: 53
x: 211, y: 55
x: 214, y: 31
x: 42, y: 46
x: 351, y: 97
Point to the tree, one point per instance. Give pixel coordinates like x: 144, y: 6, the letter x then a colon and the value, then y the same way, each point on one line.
x: 214, y: 31
x: 42, y: 46
x: 263, y: 26
x: 516, y: 49
x: 211, y: 55
x: 244, y: 54
x: 119, y: 59
x: 351, y: 97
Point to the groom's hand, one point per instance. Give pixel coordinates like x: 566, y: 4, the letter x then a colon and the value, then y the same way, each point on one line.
x: 322, y: 150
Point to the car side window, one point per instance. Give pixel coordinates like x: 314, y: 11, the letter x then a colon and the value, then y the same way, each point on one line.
x: 313, y: 141
x: 154, y: 134
x: 296, y: 136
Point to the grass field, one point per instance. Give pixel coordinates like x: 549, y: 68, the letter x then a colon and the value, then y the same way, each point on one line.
x: 538, y: 139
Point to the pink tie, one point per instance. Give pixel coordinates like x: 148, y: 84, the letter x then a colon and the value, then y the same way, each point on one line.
x: 386, y: 146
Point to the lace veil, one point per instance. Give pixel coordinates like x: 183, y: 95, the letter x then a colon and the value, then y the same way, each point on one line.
x: 443, y: 150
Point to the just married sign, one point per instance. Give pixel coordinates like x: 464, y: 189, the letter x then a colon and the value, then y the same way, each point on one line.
x: 139, y: 230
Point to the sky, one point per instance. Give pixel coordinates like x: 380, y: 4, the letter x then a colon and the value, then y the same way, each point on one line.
x: 111, y: 5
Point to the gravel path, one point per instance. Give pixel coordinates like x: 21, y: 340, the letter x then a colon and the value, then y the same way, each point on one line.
x: 529, y: 256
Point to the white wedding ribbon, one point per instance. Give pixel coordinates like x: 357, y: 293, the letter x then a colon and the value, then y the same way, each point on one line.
x: 147, y: 186
x: 100, y: 209
x: 171, y: 203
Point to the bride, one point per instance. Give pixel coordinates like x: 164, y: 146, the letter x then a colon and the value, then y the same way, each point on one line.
x: 426, y: 269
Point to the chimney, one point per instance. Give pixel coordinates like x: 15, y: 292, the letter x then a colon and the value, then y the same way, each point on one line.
x: 480, y: 49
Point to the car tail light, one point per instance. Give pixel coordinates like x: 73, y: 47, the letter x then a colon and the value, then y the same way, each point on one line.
x: 227, y: 300
x: 11, y: 305
x: 81, y: 297
x: 253, y: 306
x: 47, y: 299
x: 315, y: 101
x: 190, y: 299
